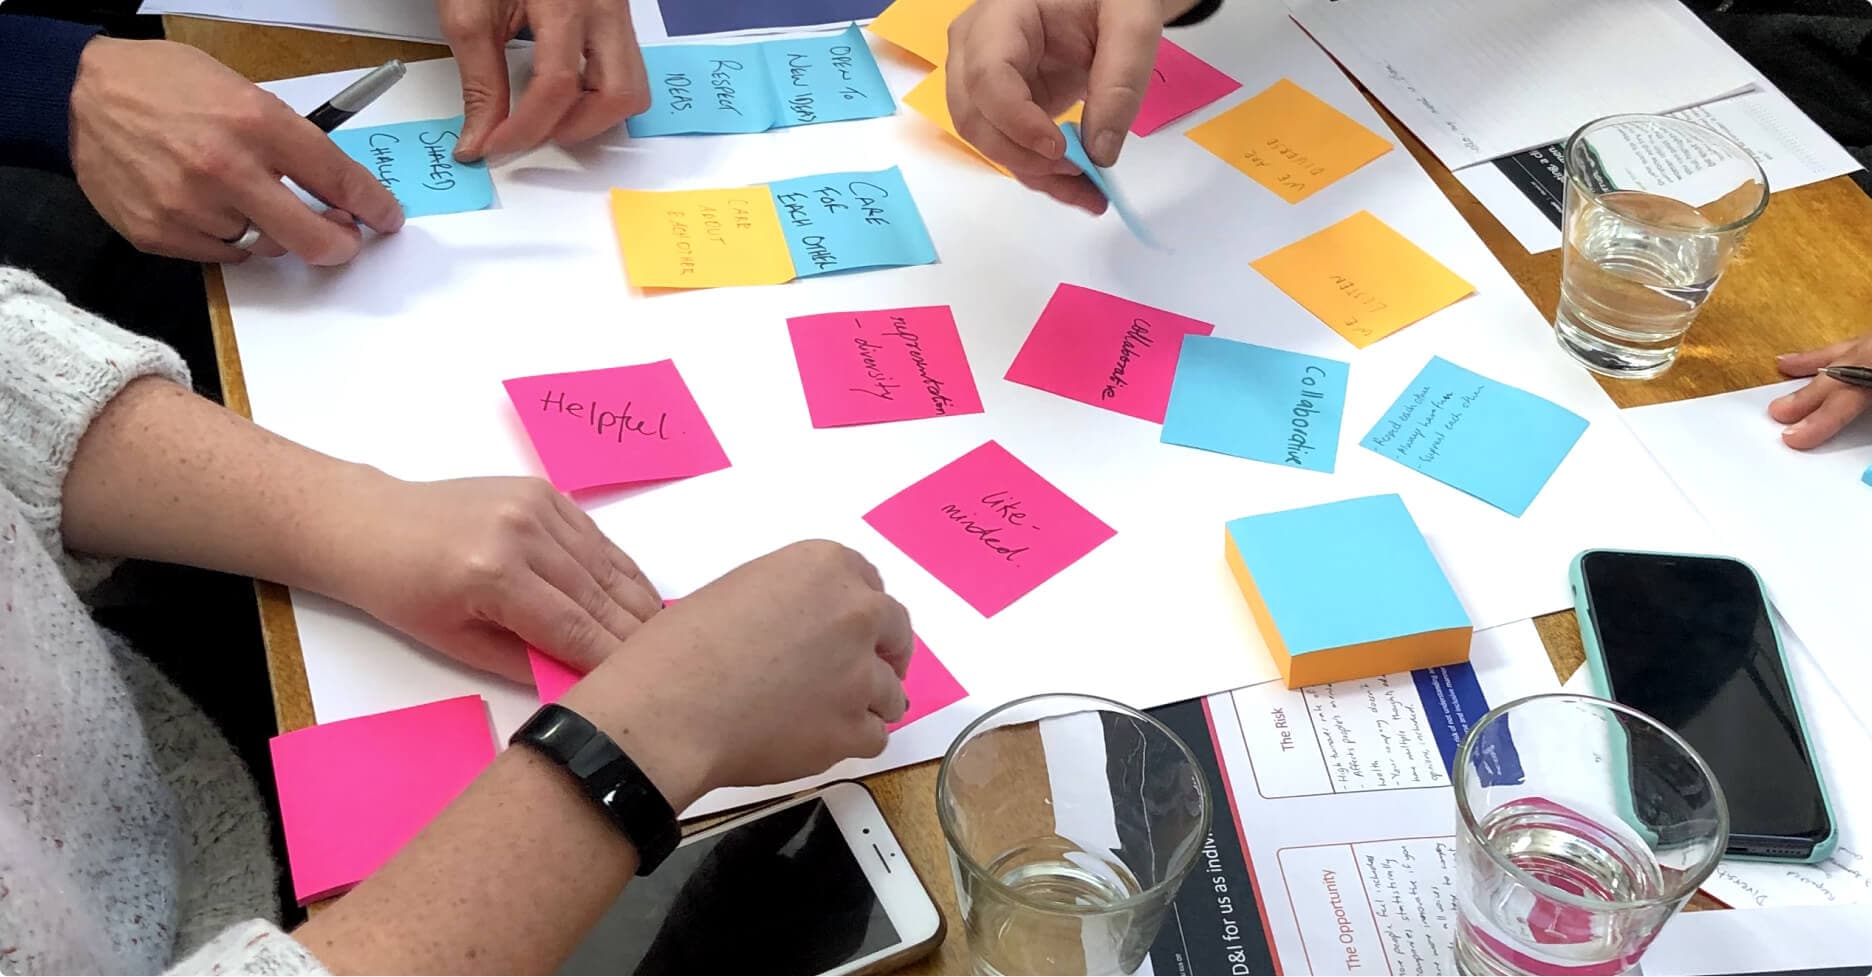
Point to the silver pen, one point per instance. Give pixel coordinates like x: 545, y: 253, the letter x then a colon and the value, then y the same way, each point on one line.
x: 339, y: 109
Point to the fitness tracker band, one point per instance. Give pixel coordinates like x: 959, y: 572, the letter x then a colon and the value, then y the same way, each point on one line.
x: 612, y: 780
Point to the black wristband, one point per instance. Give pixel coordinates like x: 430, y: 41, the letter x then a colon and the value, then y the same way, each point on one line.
x: 610, y: 778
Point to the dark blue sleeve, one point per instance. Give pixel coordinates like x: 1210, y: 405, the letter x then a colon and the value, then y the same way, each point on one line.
x: 38, y: 64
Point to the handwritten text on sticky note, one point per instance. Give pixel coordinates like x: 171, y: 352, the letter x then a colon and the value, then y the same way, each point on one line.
x: 1257, y: 402
x: 1180, y: 84
x: 615, y: 426
x: 416, y: 162
x: 743, y: 88
x: 1362, y: 279
x: 882, y: 365
x: 844, y: 221
x: 1291, y: 142
x: 700, y: 238
x: 1105, y: 351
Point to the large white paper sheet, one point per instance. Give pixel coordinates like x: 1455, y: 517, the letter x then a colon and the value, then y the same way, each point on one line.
x: 1786, y: 940
x: 406, y: 20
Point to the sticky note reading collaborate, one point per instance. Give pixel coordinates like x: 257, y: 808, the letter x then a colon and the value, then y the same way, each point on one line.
x: 1136, y: 340
x: 1310, y: 403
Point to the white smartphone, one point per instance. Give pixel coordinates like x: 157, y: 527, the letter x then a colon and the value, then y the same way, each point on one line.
x: 817, y: 885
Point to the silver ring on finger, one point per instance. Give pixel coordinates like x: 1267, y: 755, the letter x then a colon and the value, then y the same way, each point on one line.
x: 246, y: 239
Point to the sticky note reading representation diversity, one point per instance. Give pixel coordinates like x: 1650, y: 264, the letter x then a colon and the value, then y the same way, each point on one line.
x: 1180, y: 84
x: 354, y: 792
x: 990, y: 528
x: 1257, y: 402
x: 615, y: 426
x: 920, y: 26
x: 1291, y: 142
x: 844, y: 221
x: 416, y: 162
x: 1346, y: 590
x: 930, y: 99
x: 1362, y: 279
x: 1107, y: 186
x: 1105, y: 351
x: 882, y: 365
x: 740, y: 88
x: 1496, y: 442
x: 700, y: 238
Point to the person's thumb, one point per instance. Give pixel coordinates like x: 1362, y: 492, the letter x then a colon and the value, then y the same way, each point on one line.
x: 482, y: 58
x: 1126, y: 51
x: 1808, y: 363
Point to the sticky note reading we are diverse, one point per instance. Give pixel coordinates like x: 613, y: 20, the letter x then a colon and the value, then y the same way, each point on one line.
x: 741, y: 88
x: 844, y: 221
x: 1362, y: 279
x: 615, y: 426
x: 416, y: 162
x: 990, y: 528
x: 1105, y: 351
x: 1180, y: 84
x: 1291, y: 142
x: 1496, y: 442
x: 1257, y: 402
x: 882, y: 365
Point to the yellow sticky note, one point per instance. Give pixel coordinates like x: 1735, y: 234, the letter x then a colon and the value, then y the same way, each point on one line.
x: 1289, y: 141
x: 920, y: 26
x: 1364, y: 280
x: 700, y: 238
x: 930, y: 98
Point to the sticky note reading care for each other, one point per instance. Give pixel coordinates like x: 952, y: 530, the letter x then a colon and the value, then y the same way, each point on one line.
x: 1496, y: 442
x: 1180, y: 84
x: 845, y: 221
x: 1257, y: 402
x: 615, y: 426
x: 416, y: 162
x: 741, y: 88
x: 1362, y: 279
x: 1105, y: 351
x: 1291, y: 142
x: 354, y: 792
x: 882, y: 365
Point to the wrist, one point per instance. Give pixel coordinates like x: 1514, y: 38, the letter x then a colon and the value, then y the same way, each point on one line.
x: 678, y: 763
x: 331, y: 541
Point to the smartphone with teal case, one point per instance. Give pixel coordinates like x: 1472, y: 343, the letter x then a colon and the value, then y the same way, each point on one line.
x: 1690, y: 641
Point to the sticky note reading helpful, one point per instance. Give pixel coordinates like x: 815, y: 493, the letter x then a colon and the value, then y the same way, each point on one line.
x: 700, y: 238
x: 930, y: 99
x: 882, y: 365
x: 1496, y: 442
x: 843, y: 221
x: 1107, y: 186
x: 615, y: 426
x: 1180, y: 84
x: 416, y: 162
x: 990, y: 528
x: 1257, y: 402
x: 1105, y: 351
x: 1291, y: 142
x: 354, y: 792
x: 1362, y: 279
x: 741, y: 88
x: 920, y: 26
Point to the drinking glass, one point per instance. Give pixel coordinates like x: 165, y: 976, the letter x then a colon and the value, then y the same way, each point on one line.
x: 1655, y: 208
x: 1582, y: 826
x: 1068, y: 835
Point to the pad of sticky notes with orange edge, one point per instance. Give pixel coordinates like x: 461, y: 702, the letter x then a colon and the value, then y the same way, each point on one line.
x: 1346, y: 590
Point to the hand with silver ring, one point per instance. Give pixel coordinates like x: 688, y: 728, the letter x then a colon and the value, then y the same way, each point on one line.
x: 249, y: 236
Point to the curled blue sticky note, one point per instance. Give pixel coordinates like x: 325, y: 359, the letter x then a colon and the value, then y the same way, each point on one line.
x: 1102, y: 179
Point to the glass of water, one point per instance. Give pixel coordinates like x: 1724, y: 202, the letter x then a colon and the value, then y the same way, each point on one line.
x: 1655, y: 208
x: 1582, y: 826
x: 1069, y: 835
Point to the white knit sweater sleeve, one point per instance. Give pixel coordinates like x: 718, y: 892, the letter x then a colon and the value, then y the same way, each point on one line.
x: 59, y: 366
x: 255, y: 947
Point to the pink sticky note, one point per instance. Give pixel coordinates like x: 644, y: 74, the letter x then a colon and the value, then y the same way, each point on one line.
x: 1181, y: 84
x: 990, y: 528
x: 1105, y: 351
x: 929, y: 686
x: 615, y: 426
x: 551, y: 677
x: 352, y: 793
x: 884, y: 365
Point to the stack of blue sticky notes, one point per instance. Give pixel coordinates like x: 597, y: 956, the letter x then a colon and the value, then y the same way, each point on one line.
x: 1257, y: 402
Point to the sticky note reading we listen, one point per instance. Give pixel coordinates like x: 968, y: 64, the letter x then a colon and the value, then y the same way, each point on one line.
x: 882, y: 365
x: 416, y: 162
x: 615, y: 426
x: 1291, y: 142
x: 1362, y: 279
x: 1257, y: 402
x: 1105, y: 351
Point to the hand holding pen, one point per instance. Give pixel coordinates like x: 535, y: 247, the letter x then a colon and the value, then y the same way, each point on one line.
x: 1840, y: 392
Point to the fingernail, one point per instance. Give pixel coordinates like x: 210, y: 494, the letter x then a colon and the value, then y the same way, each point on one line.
x: 1104, y: 148
x: 1784, y: 357
x: 1048, y: 146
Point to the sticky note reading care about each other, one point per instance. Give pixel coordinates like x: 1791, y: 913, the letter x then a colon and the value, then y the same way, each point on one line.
x: 990, y: 528
x: 1362, y: 279
x: 1105, y: 351
x: 416, y: 162
x: 615, y: 426
x: 845, y: 221
x: 882, y: 365
x: 1346, y: 590
x: 1257, y: 402
x: 700, y: 238
x: 1291, y: 142
x: 354, y: 792
x: 1180, y: 84
x: 1107, y: 186
x: 740, y: 88
x: 1496, y: 442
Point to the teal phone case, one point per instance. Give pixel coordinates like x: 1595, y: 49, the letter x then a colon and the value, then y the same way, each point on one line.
x: 1595, y: 661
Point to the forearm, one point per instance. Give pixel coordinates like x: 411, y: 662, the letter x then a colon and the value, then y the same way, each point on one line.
x: 38, y: 63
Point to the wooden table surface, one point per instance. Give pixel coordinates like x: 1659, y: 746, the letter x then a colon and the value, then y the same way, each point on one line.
x: 1802, y: 281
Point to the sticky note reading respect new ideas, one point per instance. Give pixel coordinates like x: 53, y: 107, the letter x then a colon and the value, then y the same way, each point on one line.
x: 740, y: 88
x: 416, y: 162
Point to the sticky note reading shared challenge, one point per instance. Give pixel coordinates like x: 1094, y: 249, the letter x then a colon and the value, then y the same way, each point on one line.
x: 1496, y: 442
x: 1291, y: 142
x: 1107, y: 186
x: 1180, y: 84
x: 990, y: 528
x: 1105, y: 351
x: 882, y: 365
x: 616, y: 426
x: 741, y: 88
x: 920, y: 26
x: 843, y: 221
x: 1257, y: 402
x: 1362, y: 279
x: 354, y: 792
x: 416, y: 162
x: 700, y: 238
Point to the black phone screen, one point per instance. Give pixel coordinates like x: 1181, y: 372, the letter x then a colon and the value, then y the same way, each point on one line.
x: 783, y: 892
x: 1689, y: 641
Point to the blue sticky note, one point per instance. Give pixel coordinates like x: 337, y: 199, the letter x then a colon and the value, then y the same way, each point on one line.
x: 705, y: 88
x: 1867, y: 478
x: 1076, y: 155
x: 826, y: 78
x: 416, y: 162
x: 843, y: 221
x: 1257, y: 402
x: 1496, y: 442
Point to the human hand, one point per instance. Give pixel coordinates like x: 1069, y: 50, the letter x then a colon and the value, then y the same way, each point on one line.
x: 178, y: 153
x: 778, y: 670
x: 1819, y: 410
x: 588, y: 73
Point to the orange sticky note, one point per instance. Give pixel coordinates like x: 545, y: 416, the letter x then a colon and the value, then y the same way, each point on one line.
x: 920, y: 26
x: 1364, y: 280
x: 930, y: 98
x: 700, y: 238
x: 1289, y: 141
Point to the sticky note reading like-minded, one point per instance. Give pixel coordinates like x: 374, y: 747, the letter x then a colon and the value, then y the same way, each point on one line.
x: 1291, y: 142
x: 741, y: 88
x: 615, y: 426
x: 920, y: 26
x: 1106, y: 184
x: 1180, y: 84
x: 1105, y: 351
x: 416, y: 162
x: 990, y: 528
x: 1362, y: 279
x: 700, y: 238
x: 882, y: 365
x: 843, y: 221
x: 1496, y: 442
x: 354, y: 792
x: 1257, y: 402
x: 930, y: 98
x: 1346, y: 590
